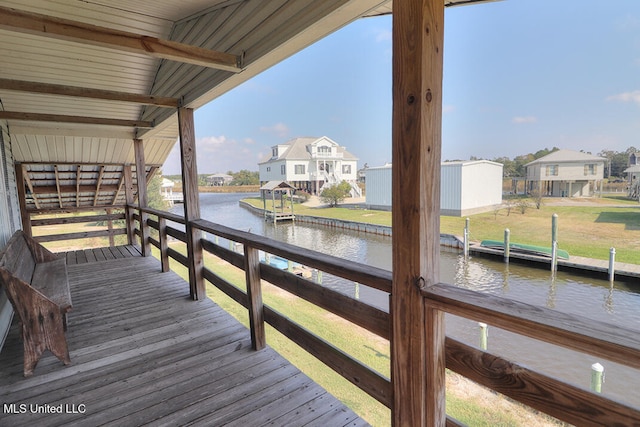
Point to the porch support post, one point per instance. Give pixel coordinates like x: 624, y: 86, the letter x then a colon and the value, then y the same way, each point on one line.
x: 254, y: 293
x: 141, y: 177
x: 128, y: 194
x: 25, y: 216
x: 417, y: 345
x: 191, y: 202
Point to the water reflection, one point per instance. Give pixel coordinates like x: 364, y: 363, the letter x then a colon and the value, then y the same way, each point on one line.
x: 593, y: 298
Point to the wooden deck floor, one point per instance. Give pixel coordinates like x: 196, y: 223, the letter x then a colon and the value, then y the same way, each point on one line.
x: 143, y: 354
x: 101, y: 254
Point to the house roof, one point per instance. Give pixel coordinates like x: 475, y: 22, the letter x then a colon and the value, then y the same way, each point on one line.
x: 632, y: 169
x: 297, y: 149
x: 567, y: 156
x: 82, y: 79
x: 277, y: 185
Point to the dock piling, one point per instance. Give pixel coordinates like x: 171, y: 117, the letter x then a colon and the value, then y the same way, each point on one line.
x: 597, y: 377
x: 612, y: 264
x: 507, y: 244
x: 484, y: 335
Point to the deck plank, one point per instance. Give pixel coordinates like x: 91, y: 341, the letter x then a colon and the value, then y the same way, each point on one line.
x: 143, y: 353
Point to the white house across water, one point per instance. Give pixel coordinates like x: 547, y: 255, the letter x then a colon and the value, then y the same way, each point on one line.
x: 310, y: 163
x: 566, y: 173
x: 466, y: 187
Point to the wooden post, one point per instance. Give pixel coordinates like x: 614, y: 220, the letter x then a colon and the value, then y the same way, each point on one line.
x: 112, y: 242
x: 164, y: 255
x: 418, y: 335
x: 141, y: 176
x: 128, y: 192
x: 254, y: 292
x: 191, y: 202
x: 25, y: 216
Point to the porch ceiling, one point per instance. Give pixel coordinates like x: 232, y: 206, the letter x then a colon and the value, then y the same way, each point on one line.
x: 76, y: 186
x: 82, y: 79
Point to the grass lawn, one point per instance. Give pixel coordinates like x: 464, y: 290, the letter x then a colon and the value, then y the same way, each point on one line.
x: 588, y: 228
x: 466, y: 402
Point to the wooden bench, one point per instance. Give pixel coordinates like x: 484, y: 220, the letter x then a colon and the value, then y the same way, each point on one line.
x: 37, y: 285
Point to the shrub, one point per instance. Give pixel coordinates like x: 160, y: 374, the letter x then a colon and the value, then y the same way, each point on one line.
x: 335, y: 193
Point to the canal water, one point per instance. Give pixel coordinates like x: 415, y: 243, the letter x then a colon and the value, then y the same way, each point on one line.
x: 593, y: 298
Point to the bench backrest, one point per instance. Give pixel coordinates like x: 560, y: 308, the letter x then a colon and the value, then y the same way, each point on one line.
x: 17, y: 258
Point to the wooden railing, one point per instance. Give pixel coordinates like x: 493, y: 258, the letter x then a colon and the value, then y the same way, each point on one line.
x: 549, y: 395
x: 109, y: 230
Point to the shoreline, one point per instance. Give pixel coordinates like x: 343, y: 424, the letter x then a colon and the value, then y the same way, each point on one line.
x: 575, y: 264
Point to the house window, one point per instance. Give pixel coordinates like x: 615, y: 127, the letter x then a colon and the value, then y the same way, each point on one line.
x: 346, y: 169
x: 268, y: 168
x: 552, y: 170
x: 324, y: 150
x: 283, y: 169
x: 299, y: 169
x: 274, y: 152
x: 590, y: 169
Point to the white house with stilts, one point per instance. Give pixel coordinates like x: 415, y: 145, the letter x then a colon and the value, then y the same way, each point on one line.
x: 311, y: 163
x: 566, y: 173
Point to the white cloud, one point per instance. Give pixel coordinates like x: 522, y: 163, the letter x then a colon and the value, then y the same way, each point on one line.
x: 211, y: 143
x: 279, y: 129
x: 448, y: 109
x: 628, y: 23
x: 524, y: 119
x: 383, y: 35
x: 217, y: 154
x: 633, y: 96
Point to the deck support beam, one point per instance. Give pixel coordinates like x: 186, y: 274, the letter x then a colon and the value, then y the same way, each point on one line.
x: 141, y: 177
x: 417, y: 345
x: 191, y: 201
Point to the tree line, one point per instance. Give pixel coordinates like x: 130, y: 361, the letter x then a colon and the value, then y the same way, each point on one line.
x: 242, y: 177
x: 618, y: 161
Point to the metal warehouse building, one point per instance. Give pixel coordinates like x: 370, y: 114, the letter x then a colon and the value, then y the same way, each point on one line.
x: 466, y: 187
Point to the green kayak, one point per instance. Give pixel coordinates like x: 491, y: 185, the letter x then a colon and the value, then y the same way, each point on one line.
x: 524, y: 249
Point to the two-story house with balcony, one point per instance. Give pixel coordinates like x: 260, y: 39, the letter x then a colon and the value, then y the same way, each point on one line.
x: 566, y: 173
x: 311, y: 163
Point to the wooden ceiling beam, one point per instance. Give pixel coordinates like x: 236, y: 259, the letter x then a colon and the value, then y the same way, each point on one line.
x: 98, y: 184
x: 151, y: 172
x: 55, y: 170
x: 81, y: 32
x: 27, y: 179
x: 71, y: 189
x: 84, y: 92
x: 59, y: 118
x: 117, y: 193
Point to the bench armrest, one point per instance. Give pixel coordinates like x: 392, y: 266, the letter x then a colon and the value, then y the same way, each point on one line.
x: 40, y: 253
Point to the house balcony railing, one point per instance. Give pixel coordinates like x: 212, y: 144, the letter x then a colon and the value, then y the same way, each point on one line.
x: 318, y: 155
x: 543, y: 393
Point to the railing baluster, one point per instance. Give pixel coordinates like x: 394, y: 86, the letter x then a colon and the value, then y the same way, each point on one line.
x: 254, y: 292
x: 162, y: 231
x: 144, y: 233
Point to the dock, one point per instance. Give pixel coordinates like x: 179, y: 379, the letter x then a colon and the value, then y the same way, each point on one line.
x: 278, y: 216
x: 575, y: 264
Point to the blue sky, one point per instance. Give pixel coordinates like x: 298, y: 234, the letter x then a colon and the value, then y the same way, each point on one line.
x: 520, y: 75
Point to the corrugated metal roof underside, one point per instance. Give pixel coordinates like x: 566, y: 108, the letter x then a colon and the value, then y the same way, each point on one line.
x: 99, y: 184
